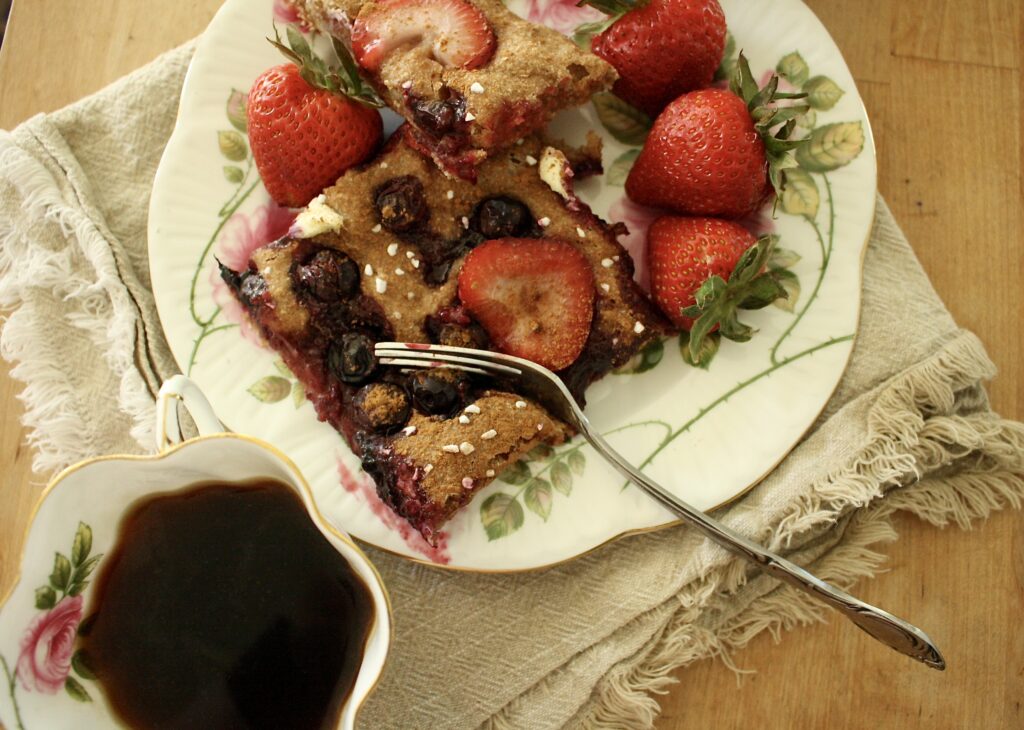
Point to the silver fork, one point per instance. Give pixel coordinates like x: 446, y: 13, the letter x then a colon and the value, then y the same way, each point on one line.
x: 549, y: 390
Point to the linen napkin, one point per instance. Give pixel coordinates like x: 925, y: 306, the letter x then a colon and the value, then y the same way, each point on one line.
x: 583, y: 644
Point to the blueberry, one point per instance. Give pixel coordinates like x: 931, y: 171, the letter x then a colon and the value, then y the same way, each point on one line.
x: 437, y: 392
x: 438, y: 117
x: 329, y: 276
x: 401, y: 204
x: 502, y: 218
x: 384, y: 407
x: 352, y: 359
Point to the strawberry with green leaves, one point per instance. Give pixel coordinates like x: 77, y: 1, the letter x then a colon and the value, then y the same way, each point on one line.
x: 661, y: 48
x: 703, y: 270
x: 718, y: 152
x: 309, y: 122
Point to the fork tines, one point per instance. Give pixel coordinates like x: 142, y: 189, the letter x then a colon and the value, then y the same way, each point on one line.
x: 414, y: 355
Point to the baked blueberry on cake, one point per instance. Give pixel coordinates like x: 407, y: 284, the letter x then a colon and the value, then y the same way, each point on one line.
x: 468, y: 76
x: 397, y: 251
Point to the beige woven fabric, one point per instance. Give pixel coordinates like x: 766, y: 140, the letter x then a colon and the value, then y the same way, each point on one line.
x: 579, y: 645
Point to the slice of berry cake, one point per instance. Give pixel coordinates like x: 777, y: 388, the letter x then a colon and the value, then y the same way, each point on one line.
x: 468, y: 76
x: 396, y: 251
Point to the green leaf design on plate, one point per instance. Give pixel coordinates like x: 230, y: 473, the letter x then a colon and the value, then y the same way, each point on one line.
x: 76, y: 690
x: 270, y: 389
x: 518, y: 473
x: 501, y: 515
x: 727, y: 68
x: 830, y: 147
x: 80, y: 663
x: 81, y: 546
x: 538, y: 497
x: 298, y: 394
x: 577, y: 462
x: 540, y: 452
x: 280, y: 367
x: 85, y: 569
x: 618, y: 171
x: 46, y: 598
x: 235, y: 109
x: 561, y: 477
x: 61, y: 575
x: 822, y: 93
x: 233, y: 174
x: 793, y: 68
x: 77, y: 588
x: 625, y: 123
x: 791, y: 283
x: 585, y: 32
x: 800, y: 195
x: 782, y: 258
x: 232, y: 145
x: 708, y: 349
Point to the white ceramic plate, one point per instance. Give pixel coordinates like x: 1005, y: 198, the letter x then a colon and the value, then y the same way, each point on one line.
x: 708, y: 434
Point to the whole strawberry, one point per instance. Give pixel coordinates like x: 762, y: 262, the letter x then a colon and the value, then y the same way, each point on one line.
x: 308, y: 123
x: 661, y: 48
x: 704, y: 269
x: 713, y: 152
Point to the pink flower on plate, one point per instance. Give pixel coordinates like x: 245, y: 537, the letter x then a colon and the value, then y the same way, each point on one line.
x: 638, y: 219
x: 46, y: 648
x: 241, y: 235
x: 561, y: 15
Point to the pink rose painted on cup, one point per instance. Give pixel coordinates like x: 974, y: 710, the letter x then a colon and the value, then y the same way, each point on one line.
x: 562, y: 15
x: 243, y: 234
x: 46, y: 648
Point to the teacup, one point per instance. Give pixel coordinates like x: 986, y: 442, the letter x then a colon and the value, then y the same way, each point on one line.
x: 44, y: 685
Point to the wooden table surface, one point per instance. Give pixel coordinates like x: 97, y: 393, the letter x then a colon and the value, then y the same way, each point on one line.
x: 941, y: 80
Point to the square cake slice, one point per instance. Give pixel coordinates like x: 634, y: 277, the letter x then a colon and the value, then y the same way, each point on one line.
x: 377, y: 257
x: 469, y: 76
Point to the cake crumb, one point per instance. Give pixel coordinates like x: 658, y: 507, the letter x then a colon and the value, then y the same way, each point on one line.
x: 410, y: 295
x: 580, y: 232
x: 409, y: 254
x: 544, y: 222
x: 615, y: 259
x: 465, y: 222
x: 396, y: 314
x: 467, y: 482
x: 469, y: 117
x: 476, y: 87
x: 488, y: 435
x: 450, y: 448
x: 384, y: 165
x: 368, y: 270
x: 380, y: 284
x: 376, y: 228
x: 407, y: 84
x: 490, y: 472
x: 399, y: 271
x: 409, y: 430
x: 520, y: 141
x: 607, y: 263
x: 463, y: 419
x: 392, y: 249
x: 606, y: 286
x: 540, y: 426
x: 639, y: 327
x: 531, y: 160
x: 428, y: 468
x: 472, y: 408
x: 520, y: 404
x: 466, y: 448
x: 415, y: 263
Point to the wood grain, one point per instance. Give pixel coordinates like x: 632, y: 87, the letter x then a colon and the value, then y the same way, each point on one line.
x: 941, y: 80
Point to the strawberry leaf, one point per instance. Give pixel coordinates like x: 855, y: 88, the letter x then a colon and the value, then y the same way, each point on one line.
x: 702, y: 358
x: 782, y: 258
x: 727, y: 67
x: 584, y: 33
x: 791, y: 283
x: 763, y: 290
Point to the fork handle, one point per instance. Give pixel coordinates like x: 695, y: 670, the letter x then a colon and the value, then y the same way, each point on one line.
x: 883, y: 626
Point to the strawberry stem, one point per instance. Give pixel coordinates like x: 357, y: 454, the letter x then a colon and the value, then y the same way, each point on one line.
x: 344, y: 80
x: 614, y: 8
x: 749, y: 286
x: 768, y: 116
